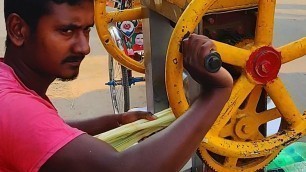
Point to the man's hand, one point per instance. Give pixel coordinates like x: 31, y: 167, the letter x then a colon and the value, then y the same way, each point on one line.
x: 195, y: 49
x: 129, y: 117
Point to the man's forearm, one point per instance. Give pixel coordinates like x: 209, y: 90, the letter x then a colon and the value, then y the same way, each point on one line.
x: 175, y: 144
x: 96, y: 125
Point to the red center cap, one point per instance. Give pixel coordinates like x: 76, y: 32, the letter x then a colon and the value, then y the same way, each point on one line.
x: 264, y: 64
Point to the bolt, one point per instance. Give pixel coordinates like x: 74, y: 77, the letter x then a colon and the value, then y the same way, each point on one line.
x: 214, y: 34
x: 244, y: 129
x: 265, y: 66
x: 247, y: 129
x: 211, y: 20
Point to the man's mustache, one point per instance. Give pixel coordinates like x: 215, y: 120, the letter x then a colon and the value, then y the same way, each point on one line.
x: 73, y: 59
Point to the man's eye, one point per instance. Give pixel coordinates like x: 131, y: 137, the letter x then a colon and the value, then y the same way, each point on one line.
x: 88, y: 29
x: 66, y: 31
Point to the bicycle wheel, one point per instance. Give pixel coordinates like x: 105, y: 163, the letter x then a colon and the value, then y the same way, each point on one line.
x: 119, y: 86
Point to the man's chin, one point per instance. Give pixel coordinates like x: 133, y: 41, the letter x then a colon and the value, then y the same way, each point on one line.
x: 66, y: 79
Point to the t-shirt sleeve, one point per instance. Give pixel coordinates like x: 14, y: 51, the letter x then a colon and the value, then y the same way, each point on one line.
x: 34, y: 132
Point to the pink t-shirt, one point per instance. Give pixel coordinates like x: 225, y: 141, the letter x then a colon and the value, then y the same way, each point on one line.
x: 31, y: 130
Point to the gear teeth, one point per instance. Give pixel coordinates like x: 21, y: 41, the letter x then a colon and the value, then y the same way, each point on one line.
x: 206, y: 163
x: 273, y: 158
x: 217, y: 167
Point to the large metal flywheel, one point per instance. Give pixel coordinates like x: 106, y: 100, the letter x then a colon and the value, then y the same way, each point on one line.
x: 235, y: 143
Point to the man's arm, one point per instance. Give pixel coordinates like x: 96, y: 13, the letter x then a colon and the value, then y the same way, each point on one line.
x: 105, y: 123
x: 167, y: 150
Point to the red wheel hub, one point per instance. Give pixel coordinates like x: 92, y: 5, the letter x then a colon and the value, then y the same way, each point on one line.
x: 264, y: 64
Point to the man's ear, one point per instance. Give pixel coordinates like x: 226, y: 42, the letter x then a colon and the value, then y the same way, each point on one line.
x: 17, y: 29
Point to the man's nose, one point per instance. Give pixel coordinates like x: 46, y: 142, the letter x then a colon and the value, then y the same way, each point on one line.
x: 81, y: 45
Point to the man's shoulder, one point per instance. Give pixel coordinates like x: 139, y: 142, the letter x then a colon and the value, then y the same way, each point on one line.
x: 15, y: 99
x: 7, y: 78
x: 16, y: 102
x: 12, y: 92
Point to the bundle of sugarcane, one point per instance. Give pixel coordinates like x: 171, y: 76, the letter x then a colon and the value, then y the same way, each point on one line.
x: 127, y: 135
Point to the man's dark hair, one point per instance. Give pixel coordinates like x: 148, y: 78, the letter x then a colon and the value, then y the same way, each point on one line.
x: 31, y: 10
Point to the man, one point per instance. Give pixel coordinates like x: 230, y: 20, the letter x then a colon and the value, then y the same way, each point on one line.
x: 47, y: 40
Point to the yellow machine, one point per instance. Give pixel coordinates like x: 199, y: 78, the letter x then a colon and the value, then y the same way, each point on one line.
x: 235, y: 142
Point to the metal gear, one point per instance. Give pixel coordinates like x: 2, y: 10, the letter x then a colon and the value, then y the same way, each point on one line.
x: 239, y: 129
x: 234, y: 134
x: 232, y: 164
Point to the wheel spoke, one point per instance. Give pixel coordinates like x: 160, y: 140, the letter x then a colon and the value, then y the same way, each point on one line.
x: 241, y: 90
x: 253, y: 99
x: 126, y: 15
x: 102, y: 20
x: 226, y: 131
x: 268, y: 115
x: 283, y: 102
x: 265, y: 22
x: 232, y: 55
x: 230, y: 162
x: 293, y: 50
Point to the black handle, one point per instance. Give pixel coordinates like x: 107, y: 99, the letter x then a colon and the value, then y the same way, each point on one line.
x: 213, y: 62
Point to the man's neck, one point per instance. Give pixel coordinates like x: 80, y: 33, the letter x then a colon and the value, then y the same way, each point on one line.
x: 30, y: 78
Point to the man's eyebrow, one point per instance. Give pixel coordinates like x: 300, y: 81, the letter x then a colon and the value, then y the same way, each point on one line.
x: 70, y: 26
x: 91, y: 25
x: 76, y: 26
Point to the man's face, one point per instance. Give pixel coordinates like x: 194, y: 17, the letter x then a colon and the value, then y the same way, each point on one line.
x: 61, y: 40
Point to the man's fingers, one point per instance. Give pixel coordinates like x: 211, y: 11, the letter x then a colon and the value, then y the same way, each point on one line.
x: 145, y: 115
x: 185, y: 46
x: 151, y: 117
x: 195, y: 51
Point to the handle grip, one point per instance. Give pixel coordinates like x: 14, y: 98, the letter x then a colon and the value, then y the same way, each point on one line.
x: 213, y: 62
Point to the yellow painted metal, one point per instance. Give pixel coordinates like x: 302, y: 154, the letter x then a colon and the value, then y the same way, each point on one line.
x: 268, y: 115
x: 284, y: 103
x: 220, y: 5
x: 244, y: 125
x: 263, y: 149
x: 174, y: 62
x: 231, y: 164
x: 241, y: 90
x: 126, y: 15
x: 241, y: 126
x: 239, y: 129
x: 229, y: 54
x: 253, y: 149
x: 265, y: 23
x: 293, y: 50
x: 102, y: 19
